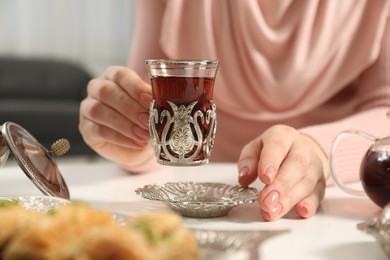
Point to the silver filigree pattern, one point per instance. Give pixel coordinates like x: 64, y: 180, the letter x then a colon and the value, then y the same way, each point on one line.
x: 215, y: 242
x: 37, y: 203
x: 182, y: 141
x: 45, y: 204
x: 202, y: 200
x: 379, y: 227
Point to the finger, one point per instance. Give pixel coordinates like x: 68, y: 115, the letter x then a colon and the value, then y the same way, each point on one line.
x: 109, y: 118
x: 114, y: 97
x: 247, y: 162
x: 284, y: 203
x: 98, y: 136
x: 309, y: 205
x: 296, y: 179
x: 276, y: 145
x: 131, y: 83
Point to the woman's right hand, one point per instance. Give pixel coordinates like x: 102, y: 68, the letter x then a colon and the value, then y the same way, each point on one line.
x: 114, y: 116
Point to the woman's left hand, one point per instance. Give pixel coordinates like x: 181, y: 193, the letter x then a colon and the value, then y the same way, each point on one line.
x: 293, y: 167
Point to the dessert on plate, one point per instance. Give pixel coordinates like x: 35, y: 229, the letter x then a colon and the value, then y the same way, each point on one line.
x: 81, y: 232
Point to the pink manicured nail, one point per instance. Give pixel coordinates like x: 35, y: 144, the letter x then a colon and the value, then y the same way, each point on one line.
x: 142, y: 133
x: 269, y: 216
x: 144, y: 119
x: 243, y: 172
x: 305, y: 211
x: 269, y: 175
x: 146, y: 98
x: 243, y: 175
x: 271, y: 201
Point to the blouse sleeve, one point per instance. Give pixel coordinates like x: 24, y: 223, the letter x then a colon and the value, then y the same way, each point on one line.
x: 373, y: 94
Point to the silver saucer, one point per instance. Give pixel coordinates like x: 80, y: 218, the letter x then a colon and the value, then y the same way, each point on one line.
x: 200, y: 200
x: 379, y: 227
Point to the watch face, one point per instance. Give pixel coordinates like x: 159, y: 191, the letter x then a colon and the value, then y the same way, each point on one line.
x: 35, y: 160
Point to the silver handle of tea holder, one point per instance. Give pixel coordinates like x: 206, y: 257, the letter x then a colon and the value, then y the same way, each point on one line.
x: 335, y: 143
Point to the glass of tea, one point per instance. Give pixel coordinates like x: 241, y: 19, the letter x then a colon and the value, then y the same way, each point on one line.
x: 374, y: 170
x: 182, y: 117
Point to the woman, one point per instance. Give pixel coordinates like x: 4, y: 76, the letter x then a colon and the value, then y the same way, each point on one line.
x: 293, y: 74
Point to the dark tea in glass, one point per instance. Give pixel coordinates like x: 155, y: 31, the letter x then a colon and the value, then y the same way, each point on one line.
x: 182, y: 120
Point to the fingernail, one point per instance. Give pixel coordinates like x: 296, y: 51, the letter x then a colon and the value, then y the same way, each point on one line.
x: 144, y: 119
x: 269, y: 175
x: 243, y: 176
x: 271, y: 215
x: 306, y: 211
x: 146, y: 98
x: 271, y: 201
x: 142, y: 133
x: 243, y: 172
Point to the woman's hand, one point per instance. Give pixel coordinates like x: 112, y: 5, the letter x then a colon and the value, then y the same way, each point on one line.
x: 114, y: 116
x: 293, y: 167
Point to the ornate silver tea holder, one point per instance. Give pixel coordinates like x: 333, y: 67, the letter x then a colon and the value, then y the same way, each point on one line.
x: 199, y: 200
x: 34, y: 159
x: 182, y: 142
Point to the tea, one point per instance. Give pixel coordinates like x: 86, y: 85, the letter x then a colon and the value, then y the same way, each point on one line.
x: 182, y: 91
x: 182, y: 117
x: 375, y: 176
x: 186, y: 115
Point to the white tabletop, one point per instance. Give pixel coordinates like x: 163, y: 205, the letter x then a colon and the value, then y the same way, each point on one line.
x: 330, y: 234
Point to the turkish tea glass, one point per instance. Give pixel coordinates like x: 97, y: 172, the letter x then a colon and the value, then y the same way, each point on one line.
x: 182, y: 117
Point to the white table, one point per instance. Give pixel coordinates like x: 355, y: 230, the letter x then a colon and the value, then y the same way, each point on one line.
x: 330, y: 234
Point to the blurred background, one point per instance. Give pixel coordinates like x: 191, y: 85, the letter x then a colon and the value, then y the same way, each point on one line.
x: 49, y: 50
x: 93, y: 33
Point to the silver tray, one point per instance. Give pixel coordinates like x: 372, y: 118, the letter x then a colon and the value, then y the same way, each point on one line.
x: 201, y: 200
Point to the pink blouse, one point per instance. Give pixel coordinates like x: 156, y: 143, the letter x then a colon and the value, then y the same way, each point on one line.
x: 320, y: 66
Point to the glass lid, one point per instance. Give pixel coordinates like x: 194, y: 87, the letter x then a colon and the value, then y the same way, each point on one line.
x: 34, y: 159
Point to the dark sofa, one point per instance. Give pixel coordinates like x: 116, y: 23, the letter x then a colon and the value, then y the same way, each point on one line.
x: 43, y: 96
